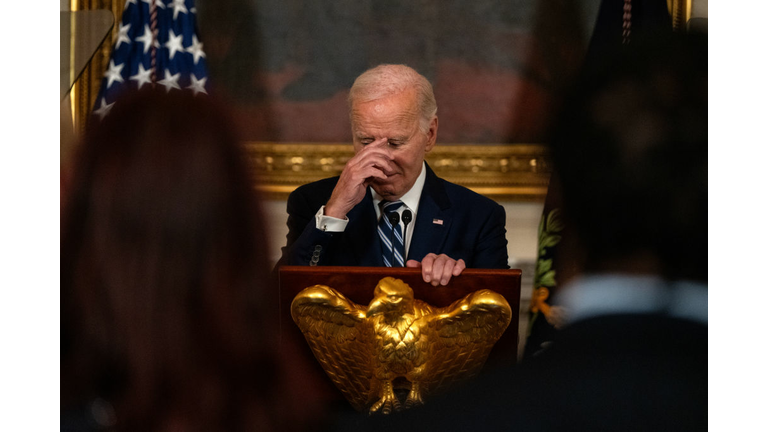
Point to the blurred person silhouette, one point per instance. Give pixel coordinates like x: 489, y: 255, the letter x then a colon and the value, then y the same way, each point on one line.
x: 168, y: 315
x: 618, y: 24
x: 630, y: 147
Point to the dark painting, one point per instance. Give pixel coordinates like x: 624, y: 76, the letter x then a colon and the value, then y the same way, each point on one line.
x: 495, y: 65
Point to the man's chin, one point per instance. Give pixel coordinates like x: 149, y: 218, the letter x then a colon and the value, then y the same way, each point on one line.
x: 386, y: 190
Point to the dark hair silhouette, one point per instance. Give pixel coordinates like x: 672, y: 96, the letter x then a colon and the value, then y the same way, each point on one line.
x: 167, y: 303
x: 630, y: 148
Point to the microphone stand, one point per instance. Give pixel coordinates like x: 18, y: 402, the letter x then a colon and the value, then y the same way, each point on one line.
x: 394, y: 219
x: 407, y: 218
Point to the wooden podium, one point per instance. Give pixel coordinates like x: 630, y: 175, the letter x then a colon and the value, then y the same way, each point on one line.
x: 358, y: 283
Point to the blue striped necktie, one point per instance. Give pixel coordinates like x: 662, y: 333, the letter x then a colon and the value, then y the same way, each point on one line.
x: 392, y: 244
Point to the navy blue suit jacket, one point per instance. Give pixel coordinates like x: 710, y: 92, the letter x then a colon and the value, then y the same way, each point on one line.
x: 472, y: 228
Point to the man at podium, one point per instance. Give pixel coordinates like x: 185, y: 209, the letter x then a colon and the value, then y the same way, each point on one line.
x: 388, y: 208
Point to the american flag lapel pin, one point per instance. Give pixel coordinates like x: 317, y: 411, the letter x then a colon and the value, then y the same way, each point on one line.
x: 437, y: 221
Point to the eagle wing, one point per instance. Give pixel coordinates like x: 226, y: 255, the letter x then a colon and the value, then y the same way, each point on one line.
x: 341, y: 340
x: 461, y: 337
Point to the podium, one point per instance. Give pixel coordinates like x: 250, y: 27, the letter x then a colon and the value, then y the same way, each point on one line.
x: 358, y: 283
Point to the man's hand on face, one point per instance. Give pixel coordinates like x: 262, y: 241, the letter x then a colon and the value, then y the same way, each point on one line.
x: 438, y: 269
x: 371, y: 162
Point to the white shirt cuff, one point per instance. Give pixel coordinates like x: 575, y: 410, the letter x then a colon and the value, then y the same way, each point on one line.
x: 329, y: 223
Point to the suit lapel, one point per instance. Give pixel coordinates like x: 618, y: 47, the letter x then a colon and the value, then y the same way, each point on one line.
x: 433, y: 220
x: 362, y: 234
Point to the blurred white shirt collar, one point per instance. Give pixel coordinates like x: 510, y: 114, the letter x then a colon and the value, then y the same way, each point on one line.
x: 589, y: 296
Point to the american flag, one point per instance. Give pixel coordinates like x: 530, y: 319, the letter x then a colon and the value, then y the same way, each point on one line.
x: 157, y: 44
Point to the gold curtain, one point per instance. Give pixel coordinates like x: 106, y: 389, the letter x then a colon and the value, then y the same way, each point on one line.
x: 86, y: 88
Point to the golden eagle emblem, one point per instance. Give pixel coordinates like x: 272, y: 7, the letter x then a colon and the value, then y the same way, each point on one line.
x: 398, y: 342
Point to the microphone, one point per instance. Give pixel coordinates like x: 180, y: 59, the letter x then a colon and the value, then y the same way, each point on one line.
x: 394, y: 219
x: 407, y: 218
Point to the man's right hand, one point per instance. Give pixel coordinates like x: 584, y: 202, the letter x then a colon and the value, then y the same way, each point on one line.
x: 371, y: 162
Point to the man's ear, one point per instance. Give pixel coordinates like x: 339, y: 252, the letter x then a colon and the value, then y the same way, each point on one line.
x: 431, y: 134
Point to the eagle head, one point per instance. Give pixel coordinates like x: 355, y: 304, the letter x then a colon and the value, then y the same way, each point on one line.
x: 391, y: 296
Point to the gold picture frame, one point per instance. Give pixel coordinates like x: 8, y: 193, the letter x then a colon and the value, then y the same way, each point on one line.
x: 518, y: 172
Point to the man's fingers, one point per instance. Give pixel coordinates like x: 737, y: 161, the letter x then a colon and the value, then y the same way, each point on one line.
x: 358, y: 174
x: 361, y: 173
x: 369, y: 172
x: 377, y: 144
x: 380, y: 164
x: 437, y: 270
x: 459, y: 267
x: 376, y: 161
x: 376, y: 158
x: 378, y: 147
x: 445, y: 277
x: 426, y: 267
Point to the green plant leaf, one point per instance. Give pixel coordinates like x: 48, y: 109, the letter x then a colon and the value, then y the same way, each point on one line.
x: 554, y: 222
x: 549, y: 241
x: 547, y: 279
x: 543, y: 266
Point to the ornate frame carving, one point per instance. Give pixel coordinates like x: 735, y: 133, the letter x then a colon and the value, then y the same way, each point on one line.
x: 508, y: 171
